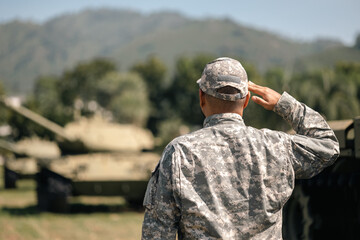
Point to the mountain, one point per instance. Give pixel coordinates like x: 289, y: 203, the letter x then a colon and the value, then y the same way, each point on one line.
x: 28, y: 50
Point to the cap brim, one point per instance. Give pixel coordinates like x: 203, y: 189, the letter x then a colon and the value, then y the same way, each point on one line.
x: 198, y: 81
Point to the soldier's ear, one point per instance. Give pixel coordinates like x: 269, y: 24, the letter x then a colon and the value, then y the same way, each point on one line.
x: 203, y: 102
x: 247, y: 99
x: 201, y: 98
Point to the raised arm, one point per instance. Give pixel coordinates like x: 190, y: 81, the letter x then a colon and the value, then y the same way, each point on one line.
x: 314, y: 146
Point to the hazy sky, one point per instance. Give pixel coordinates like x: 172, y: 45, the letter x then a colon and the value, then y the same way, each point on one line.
x: 303, y: 20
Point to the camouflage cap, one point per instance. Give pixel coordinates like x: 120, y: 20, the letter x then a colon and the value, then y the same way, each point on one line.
x: 223, y: 72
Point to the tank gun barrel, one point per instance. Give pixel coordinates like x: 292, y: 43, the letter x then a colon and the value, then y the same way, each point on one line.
x: 40, y: 120
x: 89, y: 135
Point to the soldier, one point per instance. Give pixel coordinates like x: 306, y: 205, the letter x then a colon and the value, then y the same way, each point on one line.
x: 228, y: 180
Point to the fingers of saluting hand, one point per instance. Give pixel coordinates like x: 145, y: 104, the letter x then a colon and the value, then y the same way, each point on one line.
x: 268, y: 98
x: 261, y: 102
x: 257, y: 89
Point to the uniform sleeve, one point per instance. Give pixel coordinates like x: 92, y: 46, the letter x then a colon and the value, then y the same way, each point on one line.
x: 161, y: 212
x: 314, y: 146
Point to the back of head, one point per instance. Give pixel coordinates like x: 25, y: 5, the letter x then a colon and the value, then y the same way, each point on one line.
x: 225, y: 84
x: 222, y: 106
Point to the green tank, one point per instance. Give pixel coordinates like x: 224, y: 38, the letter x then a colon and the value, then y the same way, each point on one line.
x: 327, y: 206
x: 97, y: 158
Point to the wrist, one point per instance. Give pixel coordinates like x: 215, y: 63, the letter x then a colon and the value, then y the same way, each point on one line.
x: 284, y: 105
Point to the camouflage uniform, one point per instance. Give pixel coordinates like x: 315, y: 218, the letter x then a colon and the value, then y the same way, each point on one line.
x: 230, y: 181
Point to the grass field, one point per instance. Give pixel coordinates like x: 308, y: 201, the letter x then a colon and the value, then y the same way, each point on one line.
x: 91, y: 218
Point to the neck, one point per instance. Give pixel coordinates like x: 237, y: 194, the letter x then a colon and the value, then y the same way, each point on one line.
x: 212, y: 112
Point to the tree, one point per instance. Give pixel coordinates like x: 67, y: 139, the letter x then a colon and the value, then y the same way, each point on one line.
x: 81, y: 82
x: 275, y: 79
x: 46, y: 100
x: 334, y: 93
x: 126, y: 96
x: 347, y: 78
x: 153, y: 71
x: 184, y: 91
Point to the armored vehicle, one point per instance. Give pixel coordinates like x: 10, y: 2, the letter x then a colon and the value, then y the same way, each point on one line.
x: 20, y: 158
x: 97, y: 158
x: 327, y: 206
x: 90, y: 134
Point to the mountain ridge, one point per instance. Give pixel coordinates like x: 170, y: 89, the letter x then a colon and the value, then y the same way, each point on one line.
x: 28, y: 49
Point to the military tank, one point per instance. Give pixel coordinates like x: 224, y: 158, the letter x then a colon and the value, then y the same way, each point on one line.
x: 20, y: 158
x: 327, y: 206
x: 90, y: 134
x: 97, y: 158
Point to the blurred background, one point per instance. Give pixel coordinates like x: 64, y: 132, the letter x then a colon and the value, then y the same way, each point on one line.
x: 135, y: 64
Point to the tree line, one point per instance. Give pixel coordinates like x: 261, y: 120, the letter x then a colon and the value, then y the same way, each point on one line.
x: 147, y: 96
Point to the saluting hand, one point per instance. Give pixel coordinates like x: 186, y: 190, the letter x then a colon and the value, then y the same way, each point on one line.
x: 268, y: 98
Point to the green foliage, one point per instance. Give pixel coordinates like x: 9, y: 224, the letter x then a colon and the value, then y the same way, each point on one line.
x: 76, y: 90
x: 145, y: 97
x: 184, y: 92
x: 334, y: 93
x: 47, y: 100
x: 54, y: 97
x: 125, y: 95
x: 348, y: 68
x: 81, y: 82
x: 153, y: 71
x: 275, y: 79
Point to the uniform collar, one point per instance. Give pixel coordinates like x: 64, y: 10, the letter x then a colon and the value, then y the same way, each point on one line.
x: 222, y: 118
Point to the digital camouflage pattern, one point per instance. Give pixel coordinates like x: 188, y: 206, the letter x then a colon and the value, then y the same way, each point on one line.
x: 224, y: 72
x: 230, y: 181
